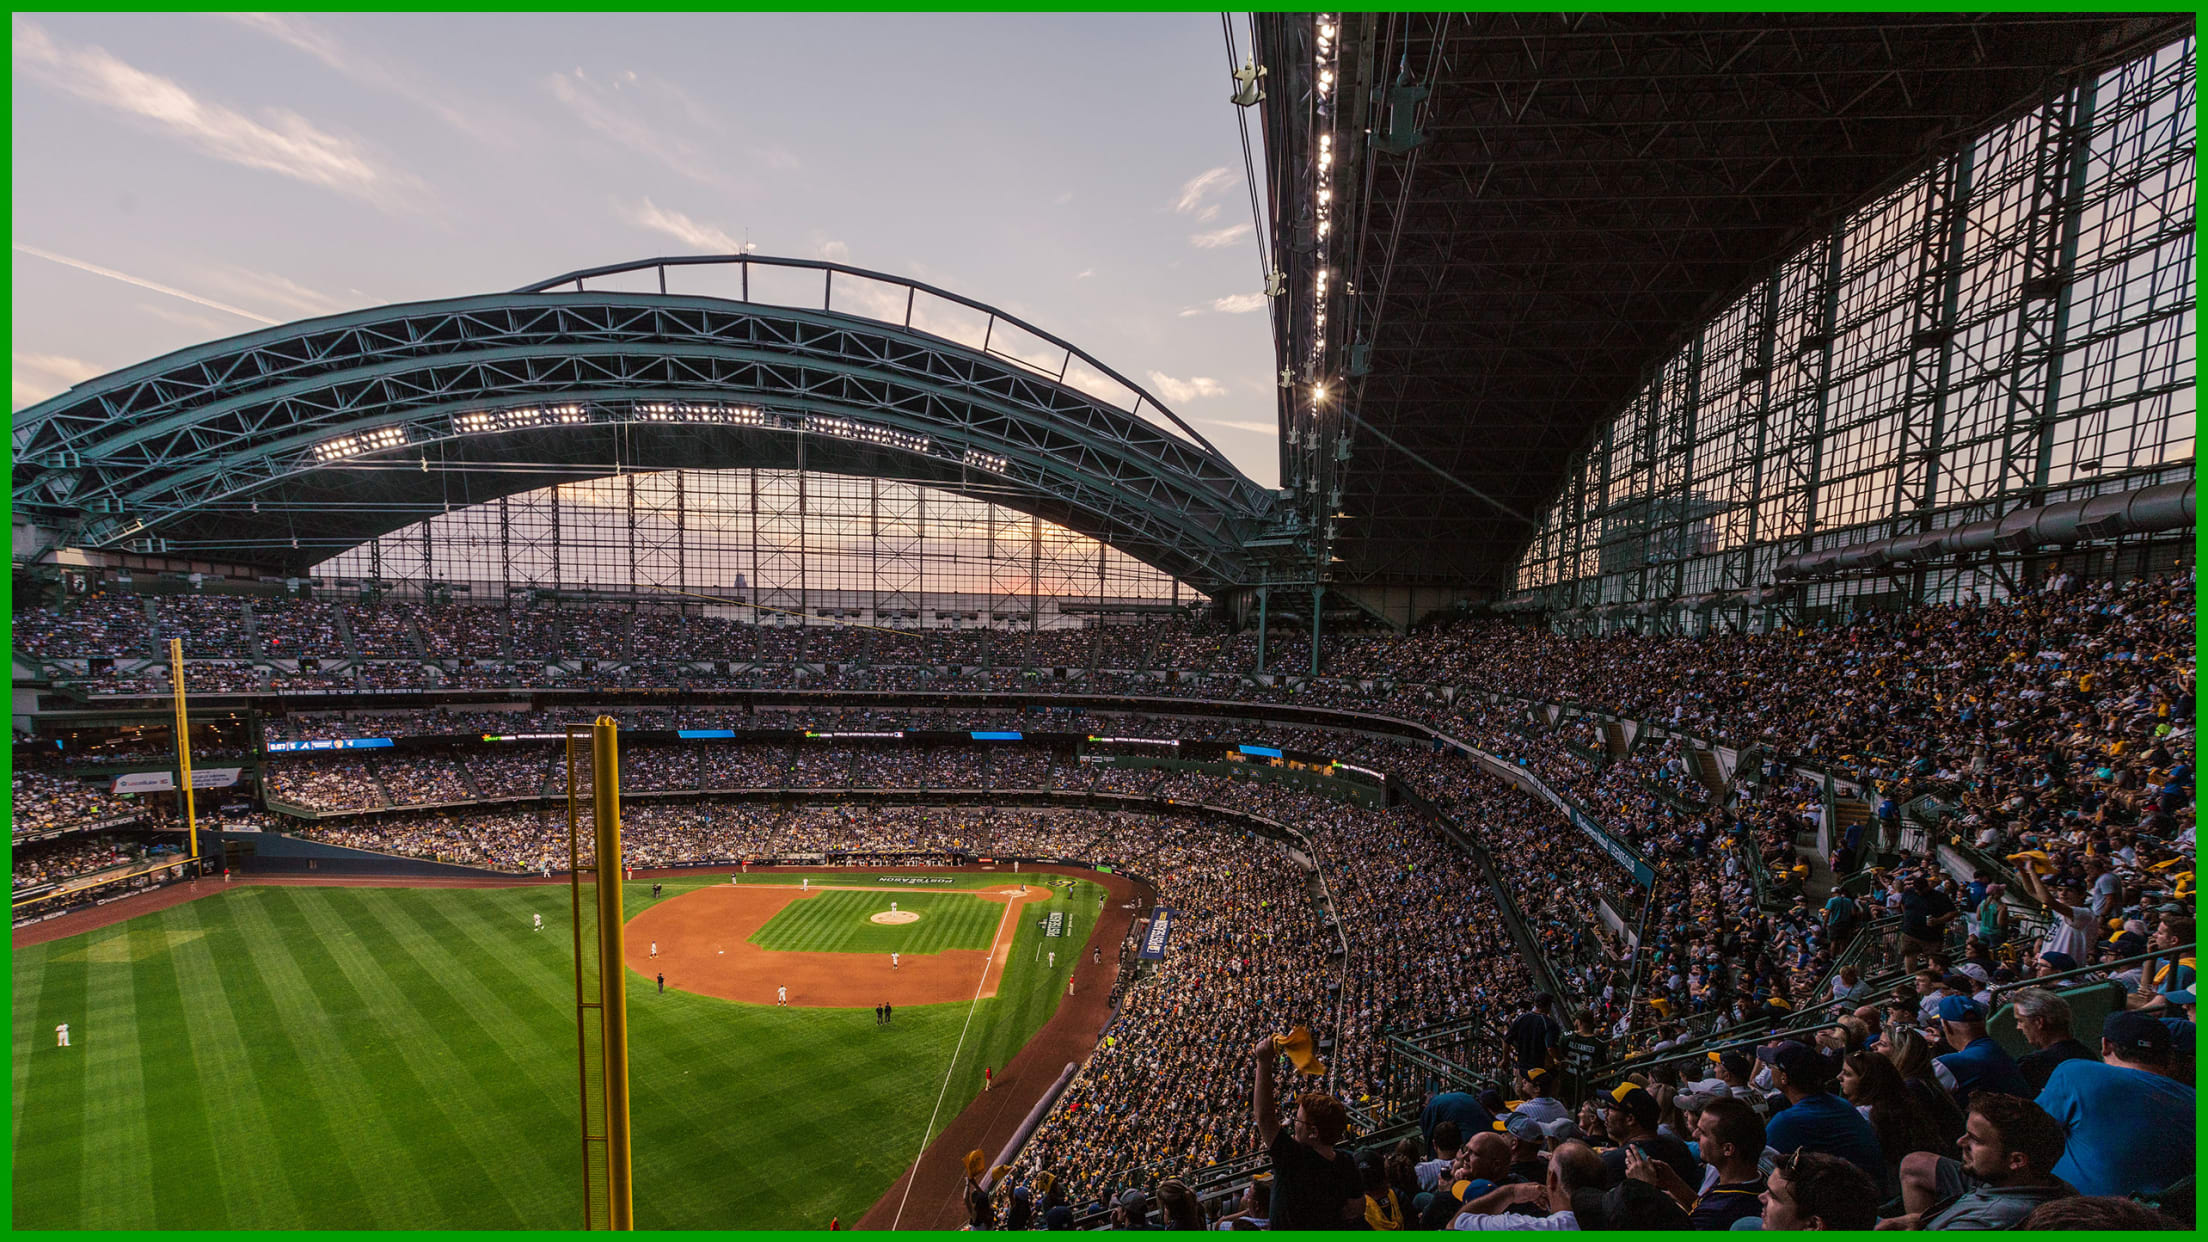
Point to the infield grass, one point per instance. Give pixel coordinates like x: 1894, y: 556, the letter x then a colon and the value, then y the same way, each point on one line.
x: 350, y: 1058
x: 838, y: 921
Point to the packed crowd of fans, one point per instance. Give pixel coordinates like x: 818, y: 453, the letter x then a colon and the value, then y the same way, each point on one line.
x: 44, y: 799
x: 2050, y: 734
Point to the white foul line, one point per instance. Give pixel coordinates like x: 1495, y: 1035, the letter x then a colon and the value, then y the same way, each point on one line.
x: 926, y: 1134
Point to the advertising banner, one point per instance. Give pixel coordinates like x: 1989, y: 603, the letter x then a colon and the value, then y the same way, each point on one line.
x: 163, y: 782
x: 1161, y: 926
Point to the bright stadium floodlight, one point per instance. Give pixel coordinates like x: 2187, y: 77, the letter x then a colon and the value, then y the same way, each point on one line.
x: 341, y: 447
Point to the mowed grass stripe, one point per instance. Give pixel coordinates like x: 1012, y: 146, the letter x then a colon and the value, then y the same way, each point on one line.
x: 118, y: 1161
x: 517, y: 1019
x: 27, y: 985
x: 360, y: 1136
x: 50, y: 1108
x: 251, y: 1189
x: 521, y: 1164
x: 324, y: 1180
x: 839, y: 922
x: 425, y: 1085
x: 175, y: 1094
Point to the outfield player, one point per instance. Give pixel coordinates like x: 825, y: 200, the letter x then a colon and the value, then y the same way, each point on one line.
x: 539, y: 922
x: 61, y: 1035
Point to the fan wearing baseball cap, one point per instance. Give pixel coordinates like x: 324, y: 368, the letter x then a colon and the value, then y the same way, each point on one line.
x: 1978, y: 1063
x: 1816, y: 1119
x: 1629, y: 1113
x: 2130, y: 1123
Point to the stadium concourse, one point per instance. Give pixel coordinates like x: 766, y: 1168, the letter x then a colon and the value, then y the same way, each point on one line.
x: 1698, y: 734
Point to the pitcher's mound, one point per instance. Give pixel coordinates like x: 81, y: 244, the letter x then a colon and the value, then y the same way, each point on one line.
x: 895, y: 916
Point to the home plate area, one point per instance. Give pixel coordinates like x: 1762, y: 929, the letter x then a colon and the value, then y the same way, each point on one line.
x: 830, y: 945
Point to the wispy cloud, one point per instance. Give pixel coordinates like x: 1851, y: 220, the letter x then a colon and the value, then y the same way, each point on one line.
x: 1220, y: 237
x: 1232, y: 304
x: 1178, y: 390
x: 828, y: 248
x: 270, y: 289
x: 692, y: 233
x: 1197, y: 188
x: 36, y: 377
x: 305, y: 36
x: 140, y: 281
x: 206, y: 325
x: 286, y: 144
x: 639, y: 114
x: 1263, y: 429
x: 1084, y: 274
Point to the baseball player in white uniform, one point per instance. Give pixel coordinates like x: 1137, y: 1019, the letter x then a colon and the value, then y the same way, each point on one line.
x: 539, y: 921
x: 893, y: 961
x: 781, y: 996
x: 61, y: 1035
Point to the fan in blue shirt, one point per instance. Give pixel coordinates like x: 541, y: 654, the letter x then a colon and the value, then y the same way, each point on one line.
x: 2130, y: 1123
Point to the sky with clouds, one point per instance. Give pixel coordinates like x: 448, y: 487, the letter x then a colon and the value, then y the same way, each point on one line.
x: 181, y: 178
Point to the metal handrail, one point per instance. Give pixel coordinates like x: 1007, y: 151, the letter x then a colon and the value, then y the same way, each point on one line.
x: 2078, y: 974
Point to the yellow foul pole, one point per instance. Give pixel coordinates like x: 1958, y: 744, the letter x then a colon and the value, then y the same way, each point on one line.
x: 184, y: 749
x: 612, y: 977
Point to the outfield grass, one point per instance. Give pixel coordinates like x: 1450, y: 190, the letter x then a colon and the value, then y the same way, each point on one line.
x: 837, y: 922
x: 405, y: 1058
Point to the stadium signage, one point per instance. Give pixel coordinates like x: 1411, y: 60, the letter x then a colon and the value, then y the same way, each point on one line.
x: 340, y: 743
x: 162, y: 782
x: 1643, y: 874
x: 913, y: 879
x: 693, y: 734
x: 1266, y: 752
x: 1351, y: 767
x: 1161, y: 926
x: 1136, y: 741
x: 994, y: 737
x: 1055, y: 925
x: 893, y: 734
x: 523, y: 737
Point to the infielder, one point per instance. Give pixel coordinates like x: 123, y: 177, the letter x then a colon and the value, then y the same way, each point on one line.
x: 893, y: 961
x: 61, y: 1035
x: 805, y: 885
x: 781, y: 996
x: 655, y: 948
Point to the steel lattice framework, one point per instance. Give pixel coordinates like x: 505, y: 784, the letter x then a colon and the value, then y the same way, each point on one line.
x: 1499, y: 230
x: 279, y: 447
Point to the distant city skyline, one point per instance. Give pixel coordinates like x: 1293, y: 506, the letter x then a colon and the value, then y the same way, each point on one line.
x: 182, y: 178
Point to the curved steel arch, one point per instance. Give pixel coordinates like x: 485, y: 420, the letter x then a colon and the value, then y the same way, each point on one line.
x: 351, y: 426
